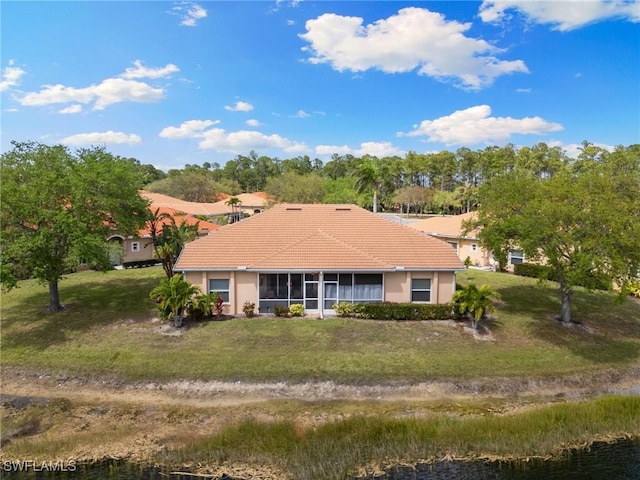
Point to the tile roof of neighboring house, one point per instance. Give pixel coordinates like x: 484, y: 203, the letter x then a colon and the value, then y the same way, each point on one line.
x: 315, y: 236
x: 179, y: 216
x: 196, y: 208
x: 450, y: 226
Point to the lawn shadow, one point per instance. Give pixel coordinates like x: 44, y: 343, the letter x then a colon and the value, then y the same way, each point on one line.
x: 86, y: 306
x: 604, y: 331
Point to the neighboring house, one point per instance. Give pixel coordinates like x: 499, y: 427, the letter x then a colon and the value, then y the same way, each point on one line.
x: 318, y: 255
x: 139, y: 248
x: 249, y: 204
x: 450, y: 230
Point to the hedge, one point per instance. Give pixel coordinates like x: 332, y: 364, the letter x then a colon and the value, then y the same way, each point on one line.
x: 396, y: 311
x: 140, y: 263
x: 547, y: 273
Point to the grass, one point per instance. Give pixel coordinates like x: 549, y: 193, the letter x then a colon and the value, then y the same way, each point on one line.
x: 337, y: 450
x: 107, y: 329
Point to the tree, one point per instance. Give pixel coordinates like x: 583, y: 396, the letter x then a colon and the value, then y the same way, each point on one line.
x: 585, y: 226
x: 414, y: 197
x: 294, y: 188
x: 173, y: 296
x: 169, y: 238
x: 236, y: 213
x: 369, y: 179
x: 58, y: 208
x: 474, y: 301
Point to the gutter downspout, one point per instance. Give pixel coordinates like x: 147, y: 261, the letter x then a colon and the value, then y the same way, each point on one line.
x: 321, y: 294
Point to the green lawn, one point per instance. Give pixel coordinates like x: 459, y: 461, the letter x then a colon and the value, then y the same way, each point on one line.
x: 107, y: 329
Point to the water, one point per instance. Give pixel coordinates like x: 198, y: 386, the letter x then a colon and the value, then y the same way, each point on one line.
x: 616, y: 461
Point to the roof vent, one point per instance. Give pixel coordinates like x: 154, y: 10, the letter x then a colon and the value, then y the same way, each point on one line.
x: 293, y: 208
x: 343, y: 209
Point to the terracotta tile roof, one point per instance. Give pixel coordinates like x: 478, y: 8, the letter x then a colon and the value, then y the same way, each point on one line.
x: 216, y: 208
x: 450, y: 226
x: 336, y: 237
x: 179, y: 216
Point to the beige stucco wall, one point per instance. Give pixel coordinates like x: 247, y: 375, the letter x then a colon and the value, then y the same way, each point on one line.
x: 145, y: 252
x: 479, y: 257
x: 397, y: 286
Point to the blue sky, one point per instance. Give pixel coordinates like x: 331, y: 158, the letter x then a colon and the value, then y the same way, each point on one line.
x: 175, y: 83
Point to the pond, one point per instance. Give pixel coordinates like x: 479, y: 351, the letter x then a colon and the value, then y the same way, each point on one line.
x: 610, y: 461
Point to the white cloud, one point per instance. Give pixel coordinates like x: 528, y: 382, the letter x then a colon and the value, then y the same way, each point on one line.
x: 240, y: 107
x: 95, y: 138
x: 108, y: 92
x: 414, y: 38
x: 188, y: 129
x: 302, y: 114
x: 115, y: 90
x: 574, y: 149
x: 252, y: 122
x: 140, y: 71
x: 10, y: 76
x: 71, y: 109
x: 235, y: 142
x: 565, y: 15
x: 475, y: 125
x: 189, y: 12
x: 377, y: 149
x: 245, y: 140
x: 523, y: 90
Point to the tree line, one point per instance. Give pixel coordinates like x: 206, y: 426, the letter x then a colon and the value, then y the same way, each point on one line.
x: 445, y: 182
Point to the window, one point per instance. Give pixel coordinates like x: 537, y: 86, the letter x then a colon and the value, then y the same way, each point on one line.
x: 135, y: 246
x: 474, y: 247
x: 421, y: 290
x: 221, y: 287
x: 516, y: 256
x: 454, y: 245
x: 367, y: 287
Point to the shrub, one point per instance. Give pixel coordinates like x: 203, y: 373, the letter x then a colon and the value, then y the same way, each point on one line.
x: 140, y: 263
x: 296, y: 310
x: 202, y: 306
x: 534, y: 270
x: 467, y: 262
x: 633, y: 288
x: 403, y: 311
x: 594, y: 281
x: 281, y: 311
x: 249, y: 309
x: 343, y: 309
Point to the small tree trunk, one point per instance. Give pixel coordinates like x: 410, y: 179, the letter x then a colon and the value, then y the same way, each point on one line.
x: 565, y: 310
x: 177, y: 319
x: 565, y: 295
x: 375, y: 201
x: 54, y: 297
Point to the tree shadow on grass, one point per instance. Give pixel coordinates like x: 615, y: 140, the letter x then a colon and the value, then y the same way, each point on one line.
x: 604, y: 331
x: 87, y: 306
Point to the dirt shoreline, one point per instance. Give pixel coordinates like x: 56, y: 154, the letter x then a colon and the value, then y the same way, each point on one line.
x: 150, y: 417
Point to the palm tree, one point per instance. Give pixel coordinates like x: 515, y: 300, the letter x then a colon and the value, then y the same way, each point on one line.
x: 234, y: 203
x: 368, y: 180
x: 474, y: 301
x: 173, y: 296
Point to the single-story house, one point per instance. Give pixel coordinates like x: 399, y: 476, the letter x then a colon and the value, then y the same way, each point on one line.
x: 318, y: 255
x: 449, y: 229
x: 139, y: 248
